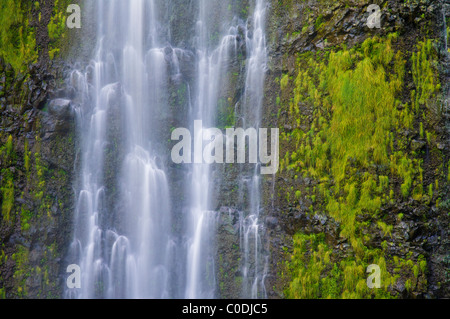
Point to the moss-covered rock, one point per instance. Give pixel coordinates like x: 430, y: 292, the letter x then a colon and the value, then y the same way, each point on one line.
x: 353, y: 104
x: 38, y: 151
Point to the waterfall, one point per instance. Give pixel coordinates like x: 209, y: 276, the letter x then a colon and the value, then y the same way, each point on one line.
x: 123, y: 253
x: 201, y: 224
x: 255, y: 263
x: 129, y: 240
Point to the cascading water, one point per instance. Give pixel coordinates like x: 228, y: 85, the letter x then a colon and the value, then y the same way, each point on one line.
x: 254, y: 261
x: 124, y: 235
x: 202, y: 221
x: 128, y: 75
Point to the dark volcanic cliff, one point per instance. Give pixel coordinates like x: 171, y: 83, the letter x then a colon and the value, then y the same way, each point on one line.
x: 37, y: 149
x: 364, y: 149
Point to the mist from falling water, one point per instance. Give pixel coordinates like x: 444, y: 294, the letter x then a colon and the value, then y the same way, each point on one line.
x: 129, y: 250
x: 255, y: 261
x: 202, y: 221
x: 126, y: 76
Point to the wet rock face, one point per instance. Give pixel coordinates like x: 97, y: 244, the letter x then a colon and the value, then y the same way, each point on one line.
x: 36, y: 231
x: 228, y: 256
x: 60, y: 109
x: 420, y: 227
x: 60, y: 117
x: 187, y: 64
x: 318, y: 25
x: 38, y: 115
x: 36, y: 172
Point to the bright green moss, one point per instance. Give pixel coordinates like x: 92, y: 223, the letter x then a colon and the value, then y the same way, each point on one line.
x: 313, y: 274
x: 386, y: 229
x: 357, y: 124
x: 7, y: 191
x: 7, y: 187
x: 430, y: 191
x: 307, y: 270
x: 9, y: 146
x: 418, y: 192
x: 422, y: 264
x: 21, y: 270
x: 284, y: 81
x: 448, y: 174
x: 319, y: 22
x: 25, y: 218
x: 17, y: 38
x: 26, y: 159
x: 57, y: 27
x: 40, y: 171
x: 424, y: 73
